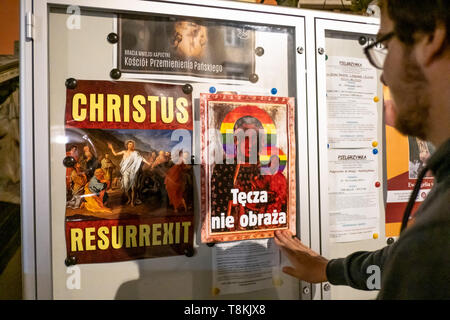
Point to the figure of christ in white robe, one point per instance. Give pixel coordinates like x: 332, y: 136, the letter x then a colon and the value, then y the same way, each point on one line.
x: 129, y: 167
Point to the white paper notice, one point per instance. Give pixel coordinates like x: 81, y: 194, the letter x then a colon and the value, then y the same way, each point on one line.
x: 245, y: 266
x: 352, y: 112
x: 353, y: 195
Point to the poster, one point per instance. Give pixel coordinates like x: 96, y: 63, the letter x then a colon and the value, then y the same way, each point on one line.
x: 248, y: 166
x: 353, y: 194
x: 128, y: 171
x: 352, y: 127
x: 181, y: 46
x: 405, y: 157
x: 352, y: 112
x: 245, y: 266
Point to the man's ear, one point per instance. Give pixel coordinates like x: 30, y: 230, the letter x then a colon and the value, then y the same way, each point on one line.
x: 431, y: 45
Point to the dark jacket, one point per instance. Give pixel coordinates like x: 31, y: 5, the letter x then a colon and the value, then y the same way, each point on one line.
x: 417, y: 266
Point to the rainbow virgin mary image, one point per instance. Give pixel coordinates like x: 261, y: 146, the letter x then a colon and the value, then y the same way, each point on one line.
x: 248, y: 166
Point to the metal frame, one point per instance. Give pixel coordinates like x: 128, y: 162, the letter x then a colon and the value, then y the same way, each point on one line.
x: 27, y: 163
x: 35, y: 137
x: 321, y: 26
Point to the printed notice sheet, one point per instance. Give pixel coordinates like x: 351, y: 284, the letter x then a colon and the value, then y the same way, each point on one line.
x: 352, y: 112
x: 352, y: 194
x: 244, y: 266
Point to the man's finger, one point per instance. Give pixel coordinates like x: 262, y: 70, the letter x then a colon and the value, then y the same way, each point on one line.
x: 285, y: 242
x: 279, y: 239
x: 287, y: 239
x: 283, y: 236
x: 300, y: 243
x: 296, y: 242
x: 288, y: 252
x: 278, y: 242
x: 290, y: 271
x: 292, y: 255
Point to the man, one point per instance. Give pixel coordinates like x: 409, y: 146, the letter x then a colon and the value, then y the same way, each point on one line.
x: 129, y: 168
x: 416, y: 35
x: 189, y: 39
x: 89, y: 162
x: 108, y: 166
x: 159, y: 170
x: 73, y: 152
x: 160, y: 159
x: 176, y: 181
x: 95, y: 193
x: 419, y: 152
x: 77, y: 181
x: 152, y: 159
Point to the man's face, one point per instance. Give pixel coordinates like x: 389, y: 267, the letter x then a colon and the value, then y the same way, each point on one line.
x: 99, y: 175
x: 130, y: 146
x: 407, y: 83
x: 193, y: 39
x: 250, y: 142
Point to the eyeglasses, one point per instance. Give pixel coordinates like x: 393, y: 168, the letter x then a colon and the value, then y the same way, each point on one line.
x: 376, y: 52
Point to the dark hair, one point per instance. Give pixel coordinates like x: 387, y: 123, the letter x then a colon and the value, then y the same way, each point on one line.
x: 412, y: 16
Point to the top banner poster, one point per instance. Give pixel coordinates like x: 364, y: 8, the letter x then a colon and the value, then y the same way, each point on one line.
x: 187, y: 47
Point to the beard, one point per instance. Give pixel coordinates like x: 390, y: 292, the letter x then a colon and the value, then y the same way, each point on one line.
x: 412, y: 111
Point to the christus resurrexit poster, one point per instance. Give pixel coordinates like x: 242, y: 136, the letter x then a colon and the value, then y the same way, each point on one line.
x: 248, y: 166
x: 128, y: 171
x: 181, y: 46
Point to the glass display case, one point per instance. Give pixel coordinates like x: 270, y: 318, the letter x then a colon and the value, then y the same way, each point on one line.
x: 117, y: 199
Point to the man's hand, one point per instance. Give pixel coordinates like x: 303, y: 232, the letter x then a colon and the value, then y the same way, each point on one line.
x: 307, y: 264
